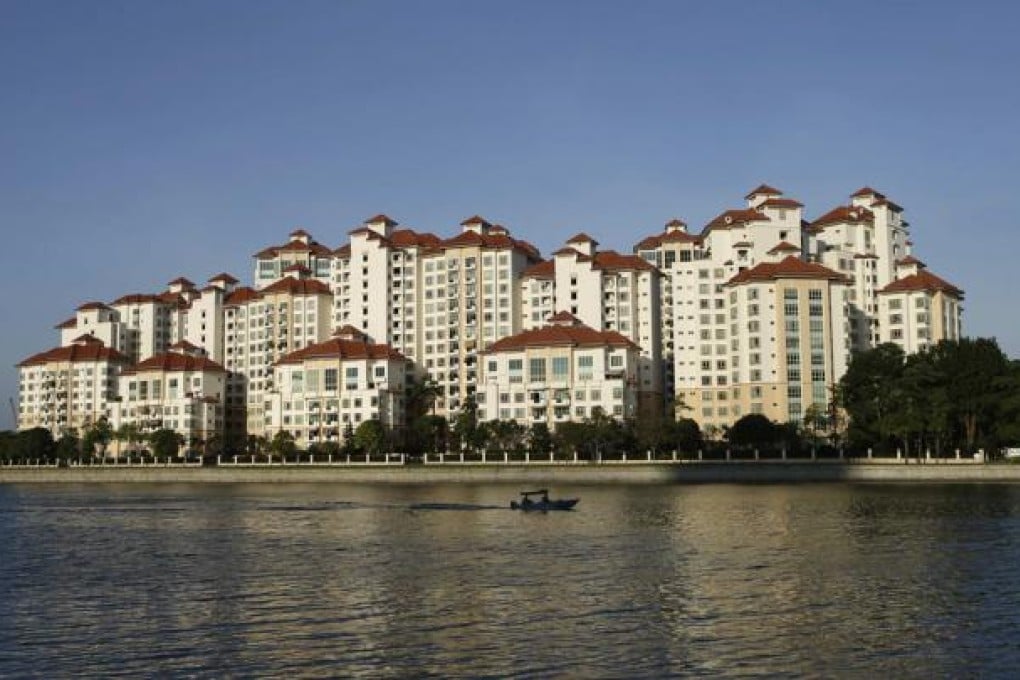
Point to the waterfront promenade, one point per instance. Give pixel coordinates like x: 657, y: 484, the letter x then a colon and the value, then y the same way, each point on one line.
x: 394, y: 471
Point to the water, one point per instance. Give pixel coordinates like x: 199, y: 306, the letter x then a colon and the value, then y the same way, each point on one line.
x: 443, y: 581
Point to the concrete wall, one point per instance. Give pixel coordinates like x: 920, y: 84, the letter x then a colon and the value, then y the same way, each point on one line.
x: 566, y: 473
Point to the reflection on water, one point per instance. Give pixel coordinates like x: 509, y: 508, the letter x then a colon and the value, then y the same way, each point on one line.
x: 384, y: 581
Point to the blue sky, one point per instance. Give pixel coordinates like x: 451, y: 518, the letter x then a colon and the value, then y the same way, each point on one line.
x: 141, y: 141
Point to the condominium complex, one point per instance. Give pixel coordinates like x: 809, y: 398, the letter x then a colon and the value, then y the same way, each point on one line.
x: 758, y: 312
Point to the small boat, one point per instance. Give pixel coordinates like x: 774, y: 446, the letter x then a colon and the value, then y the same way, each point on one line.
x: 540, y: 501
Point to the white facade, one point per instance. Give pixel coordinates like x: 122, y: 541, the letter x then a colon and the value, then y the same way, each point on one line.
x: 180, y: 390
x: 561, y: 372
x: 325, y: 387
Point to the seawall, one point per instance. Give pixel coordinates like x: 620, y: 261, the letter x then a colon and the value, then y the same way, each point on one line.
x: 737, y: 472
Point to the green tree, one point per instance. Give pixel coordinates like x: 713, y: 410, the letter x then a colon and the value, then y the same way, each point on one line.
x: 465, y: 431
x: 370, y: 436
x: 165, y: 443
x: 129, y: 434
x: 34, y: 443
x: 283, y: 444
x: 540, y: 440
x: 973, y: 370
x: 753, y: 431
x: 67, y: 447
x: 97, y: 437
x: 868, y: 391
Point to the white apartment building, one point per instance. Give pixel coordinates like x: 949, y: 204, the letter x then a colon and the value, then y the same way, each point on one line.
x: 326, y: 386
x: 271, y: 263
x: 607, y: 291
x: 560, y: 372
x: 260, y: 327
x: 918, y: 309
x: 788, y: 344
x: 68, y: 388
x: 679, y: 298
x: 181, y: 390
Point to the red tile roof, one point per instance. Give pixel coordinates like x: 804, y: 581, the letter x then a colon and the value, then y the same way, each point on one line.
x: 864, y: 191
x: 783, y: 247
x: 350, y: 330
x: 343, y: 251
x: 614, y: 261
x: 546, y: 269
x: 475, y: 219
x: 298, y: 267
x: 883, y: 201
x: 185, y: 345
x: 297, y: 287
x: 564, y: 317
x: 338, y: 348
x: 581, y: 238
x: 910, y: 259
x: 922, y: 281
x: 676, y: 223
x: 294, y: 247
x: 547, y: 336
x: 734, y: 218
x: 381, y: 218
x: 844, y: 214
x: 566, y: 250
x: 470, y: 239
x: 174, y: 361
x: 181, y: 281
x: 781, y: 203
x: 299, y: 232
x: 136, y: 299
x: 763, y: 190
x: 225, y: 278
x: 92, y: 305
x: 652, y: 242
x: 84, y: 349
x: 791, y: 267
x: 240, y: 295
x: 408, y: 238
x: 70, y: 323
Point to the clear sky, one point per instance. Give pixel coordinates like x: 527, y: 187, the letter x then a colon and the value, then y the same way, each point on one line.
x: 140, y: 141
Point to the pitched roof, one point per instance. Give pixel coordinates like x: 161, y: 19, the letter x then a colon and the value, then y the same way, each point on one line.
x: 564, y: 317
x: 294, y: 246
x: 181, y: 281
x: 783, y: 247
x: 581, y: 238
x: 651, y: 242
x: 546, y: 269
x: 185, y: 345
x: 791, y: 267
x: 475, y: 219
x: 339, y: 348
x: 343, y: 251
x: 675, y: 222
x: 69, y: 323
x: 910, y: 259
x: 297, y: 287
x: 781, y: 203
x: 864, y: 191
x: 175, y: 361
x: 299, y: 232
x: 763, y: 190
x: 240, y: 295
x: 733, y: 218
x: 844, y: 214
x: 499, y: 241
x: 408, y: 238
x: 924, y: 281
x: 381, y: 218
x: 612, y: 260
x: 91, y: 305
x: 553, y: 335
x: 224, y: 277
x: 84, y: 349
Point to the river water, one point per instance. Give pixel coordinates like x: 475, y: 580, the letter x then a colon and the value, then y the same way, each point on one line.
x: 444, y: 581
